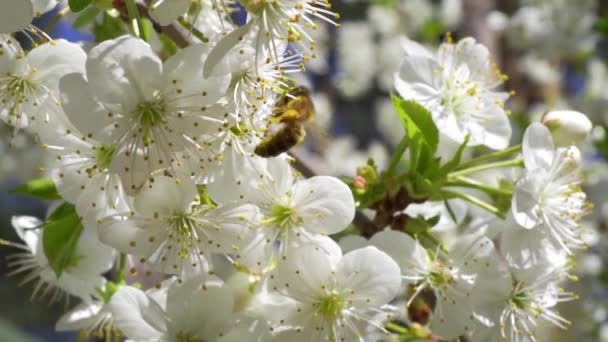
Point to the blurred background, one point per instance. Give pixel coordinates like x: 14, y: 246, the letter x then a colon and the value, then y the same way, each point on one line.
x: 555, y: 53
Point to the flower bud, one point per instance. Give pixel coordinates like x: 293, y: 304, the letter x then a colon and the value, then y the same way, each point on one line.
x: 567, y: 127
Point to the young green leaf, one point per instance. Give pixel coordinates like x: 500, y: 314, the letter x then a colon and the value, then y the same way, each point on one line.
x: 453, y: 163
x: 43, y: 188
x: 60, y: 235
x: 86, y: 17
x: 78, y: 5
x: 417, y: 122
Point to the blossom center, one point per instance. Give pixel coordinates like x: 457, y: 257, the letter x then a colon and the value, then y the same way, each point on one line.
x: 150, y: 115
x: 440, y: 276
x: 19, y: 89
x: 331, y: 305
x: 183, y: 230
x: 283, y: 216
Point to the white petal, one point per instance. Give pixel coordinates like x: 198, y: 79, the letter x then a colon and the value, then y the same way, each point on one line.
x: 228, y: 224
x: 325, y: 204
x: 496, y: 128
x: 127, y: 237
x: 184, y: 72
x: 524, y: 248
x: 82, y: 109
x: 54, y: 60
x: 124, y: 72
x: 15, y: 15
x: 412, y: 48
x: 165, y: 196
x: 223, y: 47
x: 303, y: 272
x: 537, y: 147
x: 526, y: 198
x: 418, y: 78
x: 94, y: 256
x: 137, y: 315
x: 204, y: 312
x: 165, y: 11
x: 407, y: 252
x: 372, y: 276
x: 83, y: 316
x: 28, y: 228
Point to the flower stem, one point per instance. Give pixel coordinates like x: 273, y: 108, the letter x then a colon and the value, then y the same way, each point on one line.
x: 471, y: 183
x: 396, y: 328
x: 122, y: 265
x: 137, y: 26
x: 475, y: 201
x: 192, y: 29
x: 489, y: 156
x: 397, y: 155
x: 496, y: 165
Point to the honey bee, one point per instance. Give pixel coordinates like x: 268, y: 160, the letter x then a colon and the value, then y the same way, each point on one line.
x: 293, y: 111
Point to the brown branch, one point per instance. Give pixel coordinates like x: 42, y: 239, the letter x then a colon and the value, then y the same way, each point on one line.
x: 173, y: 30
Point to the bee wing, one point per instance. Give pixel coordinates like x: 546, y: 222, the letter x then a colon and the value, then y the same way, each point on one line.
x: 318, y: 135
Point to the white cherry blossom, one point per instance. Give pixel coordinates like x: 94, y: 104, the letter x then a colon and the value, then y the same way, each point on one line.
x: 176, y: 234
x: 453, y: 277
x: 334, y: 294
x: 29, y: 82
x: 515, y: 310
x: 548, y: 196
x: 458, y: 86
x: 295, y: 210
x: 153, y: 115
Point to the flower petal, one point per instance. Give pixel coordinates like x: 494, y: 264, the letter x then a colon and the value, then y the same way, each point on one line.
x: 123, y: 72
x: 55, y: 59
x: 526, y: 198
x: 372, y: 276
x: 303, y: 272
x: 325, y: 204
x: 537, y: 147
x: 407, y: 252
x: 165, y: 11
x: 137, y: 315
x: 165, y: 196
x: 82, y: 109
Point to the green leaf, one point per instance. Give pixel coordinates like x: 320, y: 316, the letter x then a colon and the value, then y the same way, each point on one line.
x: 453, y: 163
x: 60, y: 235
x: 145, y: 29
x: 78, y: 5
x: 43, y: 188
x: 108, y: 28
x: 417, y: 121
x: 85, y: 18
x: 417, y: 225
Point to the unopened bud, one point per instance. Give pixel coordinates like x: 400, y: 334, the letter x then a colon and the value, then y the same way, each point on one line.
x: 368, y: 172
x: 360, y: 182
x: 568, y: 127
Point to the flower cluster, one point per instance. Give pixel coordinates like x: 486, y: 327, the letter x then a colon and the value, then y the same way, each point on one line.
x: 169, y: 166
